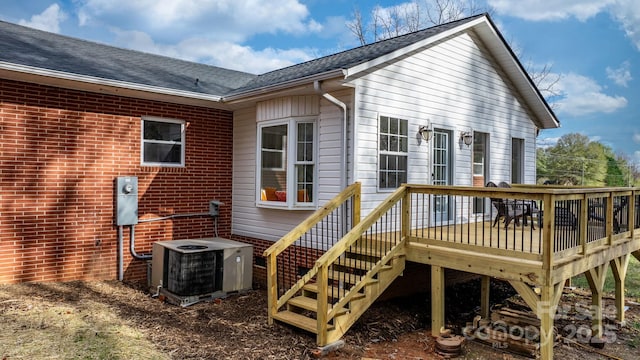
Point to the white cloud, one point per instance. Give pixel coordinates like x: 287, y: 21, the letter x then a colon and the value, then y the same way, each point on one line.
x: 581, y: 95
x: 547, y: 142
x: 48, y: 20
x: 205, y: 31
x: 224, y: 20
x: 636, y: 138
x: 219, y: 53
x: 627, y: 12
x: 621, y: 75
x: 537, y: 10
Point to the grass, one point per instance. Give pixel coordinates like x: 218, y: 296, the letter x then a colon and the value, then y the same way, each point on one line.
x: 632, y: 282
x: 86, y: 330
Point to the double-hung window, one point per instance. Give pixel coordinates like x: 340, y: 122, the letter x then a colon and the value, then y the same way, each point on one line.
x: 393, y: 152
x: 162, y: 142
x: 287, y: 163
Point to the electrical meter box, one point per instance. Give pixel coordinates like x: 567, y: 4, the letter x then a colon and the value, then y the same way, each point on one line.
x: 126, y: 193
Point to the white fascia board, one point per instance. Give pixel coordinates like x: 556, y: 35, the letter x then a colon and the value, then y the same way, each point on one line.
x: 510, y: 63
x: 258, y: 92
x: 410, y: 48
x: 104, y: 82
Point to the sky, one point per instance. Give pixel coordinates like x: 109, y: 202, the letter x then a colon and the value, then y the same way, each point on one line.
x: 591, y: 47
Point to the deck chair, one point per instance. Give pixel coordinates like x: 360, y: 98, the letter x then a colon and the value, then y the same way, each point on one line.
x: 499, y: 204
x: 517, y: 209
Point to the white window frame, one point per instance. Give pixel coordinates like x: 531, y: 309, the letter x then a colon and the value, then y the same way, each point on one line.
x: 393, y: 153
x: 144, y: 141
x: 290, y: 166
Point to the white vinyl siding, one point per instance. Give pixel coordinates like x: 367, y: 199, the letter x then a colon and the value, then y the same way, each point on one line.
x: 452, y: 85
x: 268, y: 223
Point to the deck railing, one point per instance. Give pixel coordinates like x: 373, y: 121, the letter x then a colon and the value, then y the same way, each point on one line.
x: 566, y: 221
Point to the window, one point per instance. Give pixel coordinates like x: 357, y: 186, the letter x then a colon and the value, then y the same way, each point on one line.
x: 287, y: 167
x: 162, y: 142
x: 517, y: 160
x: 394, y: 147
x: 480, y: 168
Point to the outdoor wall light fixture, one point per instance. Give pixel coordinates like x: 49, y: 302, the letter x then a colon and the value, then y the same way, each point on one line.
x: 425, y: 132
x: 466, y: 137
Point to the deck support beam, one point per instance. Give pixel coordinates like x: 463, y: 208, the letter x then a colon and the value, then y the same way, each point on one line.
x: 595, y: 278
x: 619, y: 268
x: 546, y: 311
x: 437, y: 299
x: 485, y: 296
x: 544, y: 306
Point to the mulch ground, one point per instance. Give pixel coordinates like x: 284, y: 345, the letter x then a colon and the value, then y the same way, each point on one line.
x: 236, y: 327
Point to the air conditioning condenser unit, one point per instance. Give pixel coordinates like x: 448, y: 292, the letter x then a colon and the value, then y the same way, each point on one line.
x: 191, y: 270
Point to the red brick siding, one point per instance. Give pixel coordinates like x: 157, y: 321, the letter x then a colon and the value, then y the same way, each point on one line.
x: 60, y: 151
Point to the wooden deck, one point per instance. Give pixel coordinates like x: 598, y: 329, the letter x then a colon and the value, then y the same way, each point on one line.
x: 583, y: 231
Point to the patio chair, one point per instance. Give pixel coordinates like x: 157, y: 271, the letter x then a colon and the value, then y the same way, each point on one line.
x: 517, y: 209
x: 499, y: 204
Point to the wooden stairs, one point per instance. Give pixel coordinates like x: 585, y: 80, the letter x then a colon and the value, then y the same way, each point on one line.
x: 353, y: 282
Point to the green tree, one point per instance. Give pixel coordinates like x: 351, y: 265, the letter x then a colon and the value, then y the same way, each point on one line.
x: 576, y: 160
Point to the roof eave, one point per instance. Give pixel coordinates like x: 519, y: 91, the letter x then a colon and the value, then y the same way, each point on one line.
x: 496, y: 43
x: 84, y: 79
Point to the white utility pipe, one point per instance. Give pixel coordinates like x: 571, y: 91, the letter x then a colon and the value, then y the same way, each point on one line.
x: 332, y: 99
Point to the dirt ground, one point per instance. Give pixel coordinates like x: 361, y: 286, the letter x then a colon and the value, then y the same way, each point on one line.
x: 79, y: 319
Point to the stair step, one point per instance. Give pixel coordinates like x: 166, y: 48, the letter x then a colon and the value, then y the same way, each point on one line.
x: 359, y: 264
x: 332, y: 290
x: 310, y: 304
x: 299, y: 321
x: 346, y: 277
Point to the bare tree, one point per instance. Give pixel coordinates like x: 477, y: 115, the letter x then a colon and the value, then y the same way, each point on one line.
x: 357, y: 28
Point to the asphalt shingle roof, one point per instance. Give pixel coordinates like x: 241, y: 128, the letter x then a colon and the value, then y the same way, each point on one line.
x: 30, y: 47
x: 40, y: 49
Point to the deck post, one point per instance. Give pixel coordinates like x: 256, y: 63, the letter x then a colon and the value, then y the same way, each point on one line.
x: 596, y: 277
x: 437, y: 299
x: 485, y: 292
x: 546, y: 312
x: 355, y: 216
x: 322, y: 278
x: 272, y: 287
x: 619, y: 268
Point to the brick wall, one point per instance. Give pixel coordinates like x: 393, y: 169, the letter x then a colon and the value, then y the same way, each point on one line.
x: 60, y: 151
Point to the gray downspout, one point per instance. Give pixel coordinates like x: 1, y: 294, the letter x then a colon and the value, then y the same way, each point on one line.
x: 318, y: 88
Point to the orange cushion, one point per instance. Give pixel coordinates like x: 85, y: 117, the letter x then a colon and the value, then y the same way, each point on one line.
x: 270, y: 193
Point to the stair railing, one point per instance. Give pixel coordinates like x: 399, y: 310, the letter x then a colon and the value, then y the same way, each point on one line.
x: 381, y: 233
x: 299, y: 249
